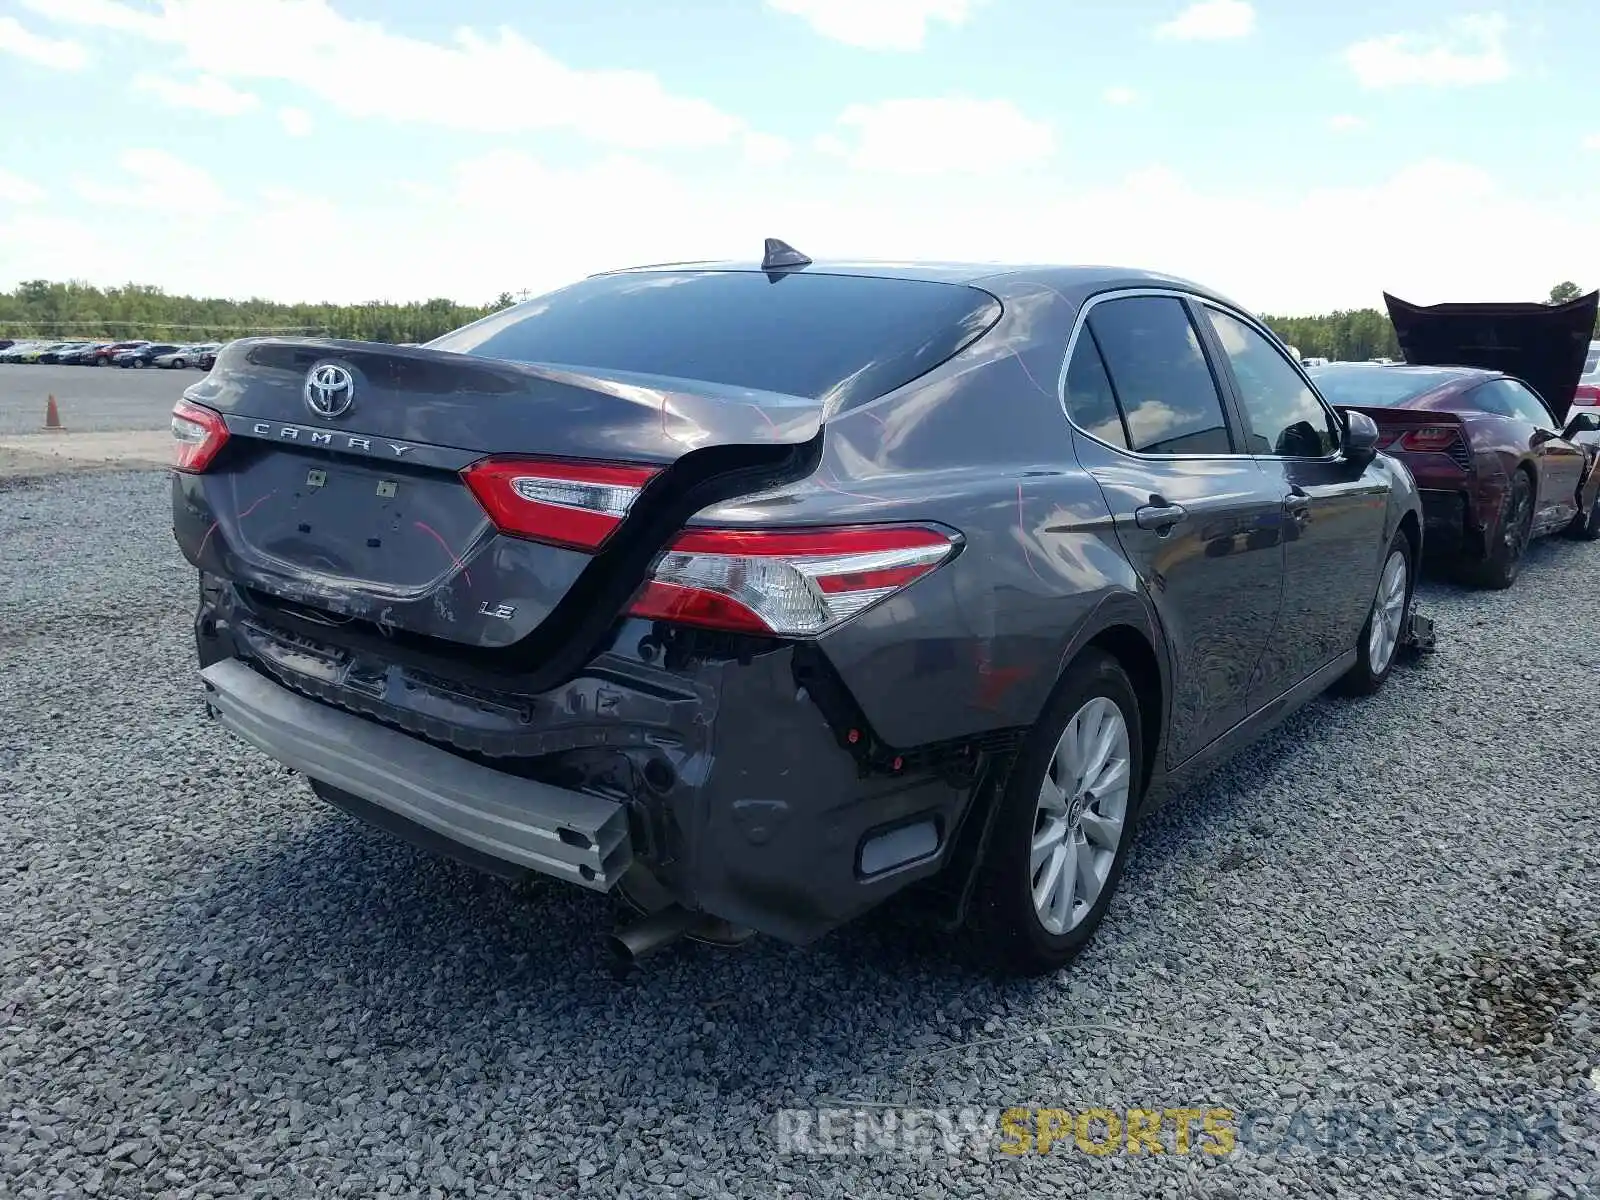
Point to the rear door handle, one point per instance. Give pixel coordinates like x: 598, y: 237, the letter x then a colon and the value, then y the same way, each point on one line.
x: 1159, y: 516
x: 1297, y: 503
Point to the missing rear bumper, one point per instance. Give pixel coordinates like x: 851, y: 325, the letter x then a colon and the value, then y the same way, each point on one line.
x: 534, y: 826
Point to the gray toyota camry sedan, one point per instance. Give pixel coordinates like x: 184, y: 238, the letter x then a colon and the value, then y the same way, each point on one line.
x: 756, y: 593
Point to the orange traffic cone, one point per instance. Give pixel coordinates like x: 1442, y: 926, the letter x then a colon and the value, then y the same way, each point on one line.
x: 52, y: 417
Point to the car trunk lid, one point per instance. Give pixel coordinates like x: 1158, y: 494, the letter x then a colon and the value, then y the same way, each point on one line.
x: 342, y: 493
x: 1542, y: 344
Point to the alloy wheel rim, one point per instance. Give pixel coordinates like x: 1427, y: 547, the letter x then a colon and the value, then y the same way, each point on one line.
x: 1081, y: 815
x: 1388, y: 613
x: 1517, y: 526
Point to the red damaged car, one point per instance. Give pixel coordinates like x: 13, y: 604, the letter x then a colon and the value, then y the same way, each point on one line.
x: 1478, y: 413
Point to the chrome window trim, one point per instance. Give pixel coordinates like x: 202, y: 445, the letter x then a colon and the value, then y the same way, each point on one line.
x: 1276, y: 343
x: 1078, y: 324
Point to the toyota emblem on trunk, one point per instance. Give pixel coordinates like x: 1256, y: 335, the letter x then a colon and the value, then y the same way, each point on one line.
x: 330, y: 390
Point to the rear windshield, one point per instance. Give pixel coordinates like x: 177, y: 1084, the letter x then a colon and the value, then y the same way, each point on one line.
x: 842, y: 339
x: 1376, y: 386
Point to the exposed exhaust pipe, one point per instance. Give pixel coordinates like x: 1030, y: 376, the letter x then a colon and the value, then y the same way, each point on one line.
x: 632, y: 942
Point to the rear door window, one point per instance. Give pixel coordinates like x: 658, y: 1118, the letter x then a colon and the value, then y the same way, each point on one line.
x: 1091, y: 403
x: 839, y: 338
x: 1152, y: 354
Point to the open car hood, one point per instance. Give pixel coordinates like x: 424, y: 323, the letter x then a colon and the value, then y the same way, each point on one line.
x: 1542, y: 344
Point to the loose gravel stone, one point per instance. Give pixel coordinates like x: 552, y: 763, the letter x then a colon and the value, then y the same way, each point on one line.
x: 213, y: 985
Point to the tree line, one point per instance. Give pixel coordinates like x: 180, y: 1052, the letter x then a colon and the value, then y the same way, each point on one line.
x: 42, y: 309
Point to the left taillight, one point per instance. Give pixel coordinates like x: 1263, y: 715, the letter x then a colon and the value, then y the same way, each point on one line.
x: 576, y: 505
x: 197, y: 435
x: 787, y: 583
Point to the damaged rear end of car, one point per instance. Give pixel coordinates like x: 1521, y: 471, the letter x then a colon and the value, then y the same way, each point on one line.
x: 469, y: 599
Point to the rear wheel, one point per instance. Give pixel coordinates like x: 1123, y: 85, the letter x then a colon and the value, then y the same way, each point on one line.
x: 1065, y: 824
x: 1379, y: 643
x: 1500, y: 568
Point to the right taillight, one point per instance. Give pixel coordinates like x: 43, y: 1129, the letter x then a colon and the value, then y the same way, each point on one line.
x: 197, y: 434
x: 1587, y: 394
x: 787, y: 583
x: 576, y: 505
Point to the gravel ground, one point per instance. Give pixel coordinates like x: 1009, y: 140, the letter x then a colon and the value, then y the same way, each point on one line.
x: 89, y: 398
x: 211, y: 984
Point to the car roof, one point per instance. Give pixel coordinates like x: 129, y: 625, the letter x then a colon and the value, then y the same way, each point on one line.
x: 1073, y: 281
x: 1444, y: 374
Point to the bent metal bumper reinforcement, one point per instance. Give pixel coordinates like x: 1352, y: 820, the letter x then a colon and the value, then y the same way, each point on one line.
x: 571, y: 835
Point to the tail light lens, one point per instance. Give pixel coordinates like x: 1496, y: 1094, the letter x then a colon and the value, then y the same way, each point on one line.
x: 788, y: 583
x: 1588, y: 394
x: 1430, y: 438
x: 197, y: 435
x: 570, y: 504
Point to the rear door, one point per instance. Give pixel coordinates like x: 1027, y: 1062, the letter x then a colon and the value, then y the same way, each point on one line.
x: 1333, y: 514
x: 1196, y: 517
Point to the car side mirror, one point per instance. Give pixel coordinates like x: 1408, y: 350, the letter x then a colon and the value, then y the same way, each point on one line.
x: 1582, y: 423
x: 1360, y: 439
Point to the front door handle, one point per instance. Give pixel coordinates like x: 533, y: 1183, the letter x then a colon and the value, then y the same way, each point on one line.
x: 1297, y: 503
x: 1159, y: 517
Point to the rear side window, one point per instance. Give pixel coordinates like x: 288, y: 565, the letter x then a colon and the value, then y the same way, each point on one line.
x: 842, y: 339
x: 1091, y: 403
x: 1507, y: 398
x: 1284, y: 414
x: 1152, y: 354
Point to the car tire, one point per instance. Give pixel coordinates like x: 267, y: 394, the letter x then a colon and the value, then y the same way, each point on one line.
x: 1586, y: 526
x: 1499, y: 569
x: 1379, y: 643
x: 1009, y: 929
x: 178, y: 364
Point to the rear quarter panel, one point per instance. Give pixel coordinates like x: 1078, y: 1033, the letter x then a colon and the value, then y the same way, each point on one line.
x: 980, y: 445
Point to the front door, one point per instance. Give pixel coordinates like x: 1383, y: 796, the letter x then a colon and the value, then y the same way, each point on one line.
x: 1333, y: 514
x: 1195, y: 516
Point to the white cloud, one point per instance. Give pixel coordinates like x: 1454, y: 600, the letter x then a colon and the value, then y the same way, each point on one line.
x: 14, y: 189
x: 159, y: 182
x: 1472, y: 51
x: 496, y: 83
x: 36, y: 48
x: 1592, y: 142
x: 204, y: 93
x: 296, y: 122
x: 938, y: 137
x: 877, y: 24
x: 765, y: 150
x: 1120, y: 96
x: 1345, y: 123
x: 1210, y: 21
x: 471, y: 236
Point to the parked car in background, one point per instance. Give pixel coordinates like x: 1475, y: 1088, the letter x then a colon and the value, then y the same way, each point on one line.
x: 104, y: 353
x: 185, y: 356
x: 16, y: 351
x: 7, y: 343
x: 1478, y: 421
x: 78, y: 356
x: 1586, y: 396
x: 142, y: 356
x: 750, y: 627
x: 208, y: 358
x: 62, y: 351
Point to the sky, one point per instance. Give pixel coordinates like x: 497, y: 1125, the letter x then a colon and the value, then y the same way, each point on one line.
x: 1298, y: 155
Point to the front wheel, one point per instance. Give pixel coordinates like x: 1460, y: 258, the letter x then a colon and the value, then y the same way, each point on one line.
x: 1379, y: 643
x: 1066, y: 821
